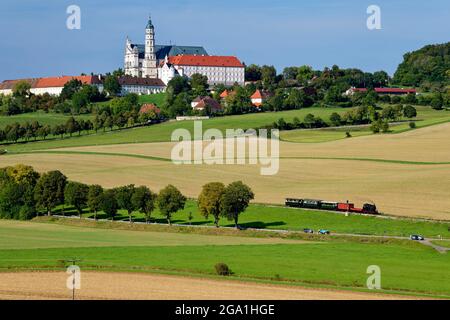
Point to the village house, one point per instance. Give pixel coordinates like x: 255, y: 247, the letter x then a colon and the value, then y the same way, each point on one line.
x: 206, y: 103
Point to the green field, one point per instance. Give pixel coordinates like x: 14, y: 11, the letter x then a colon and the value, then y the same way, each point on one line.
x: 442, y: 243
x: 30, y: 235
x: 282, y: 218
x: 157, y: 99
x: 426, y: 116
x: 408, y: 268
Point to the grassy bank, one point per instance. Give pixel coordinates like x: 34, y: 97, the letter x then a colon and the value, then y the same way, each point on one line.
x: 283, y: 218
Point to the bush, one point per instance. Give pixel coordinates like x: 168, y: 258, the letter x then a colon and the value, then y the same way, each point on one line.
x: 26, y: 213
x: 222, y: 269
x: 412, y: 125
x: 348, y: 135
x: 3, y: 151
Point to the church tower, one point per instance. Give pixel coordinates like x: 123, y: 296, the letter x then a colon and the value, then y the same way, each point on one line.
x: 149, y: 66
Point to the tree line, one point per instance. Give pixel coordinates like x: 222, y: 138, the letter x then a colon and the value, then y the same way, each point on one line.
x: 24, y: 194
x: 378, y: 117
x: 108, y: 119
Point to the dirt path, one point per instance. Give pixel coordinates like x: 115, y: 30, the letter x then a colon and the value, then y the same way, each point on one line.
x: 104, y: 285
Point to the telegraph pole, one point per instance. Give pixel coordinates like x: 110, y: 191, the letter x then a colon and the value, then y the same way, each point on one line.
x: 73, y: 261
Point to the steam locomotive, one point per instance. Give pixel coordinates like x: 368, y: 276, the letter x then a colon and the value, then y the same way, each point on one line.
x: 331, y: 206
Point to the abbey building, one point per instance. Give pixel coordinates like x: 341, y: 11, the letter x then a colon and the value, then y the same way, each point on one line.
x: 165, y: 62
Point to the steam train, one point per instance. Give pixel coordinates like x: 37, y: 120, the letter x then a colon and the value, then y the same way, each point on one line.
x: 331, y: 206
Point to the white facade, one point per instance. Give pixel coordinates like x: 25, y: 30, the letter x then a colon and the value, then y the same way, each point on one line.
x: 142, y: 89
x: 216, y: 74
x: 142, y: 67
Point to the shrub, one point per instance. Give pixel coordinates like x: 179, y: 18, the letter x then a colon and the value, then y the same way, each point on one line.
x: 412, y: 125
x: 26, y: 213
x: 222, y: 269
x: 348, y: 135
x: 3, y: 151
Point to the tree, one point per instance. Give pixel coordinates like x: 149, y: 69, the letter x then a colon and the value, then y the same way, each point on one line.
x: 388, y: 113
x: 108, y: 123
x: 309, y: 120
x: 124, y: 195
x: 169, y: 201
x: 235, y: 200
x: 10, y: 200
x: 335, y: 119
x: 97, y: 124
x: 21, y: 89
x: 384, y: 126
x: 268, y: 75
x: 49, y: 190
x: 409, y: 112
x: 252, y: 73
x: 199, y: 84
x: 111, y: 85
x: 437, y: 102
x: 23, y: 174
x: 94, y: 198
x: 76, y: 194
x: 143, y: 200
x: 209, y: 200
x: 70, y: 88
x: 71, y: 126
x: 109, y: 203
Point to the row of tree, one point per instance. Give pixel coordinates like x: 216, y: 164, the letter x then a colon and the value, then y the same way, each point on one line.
x: 357, y: 116
x: 24, y: 193
x: 106, y: 120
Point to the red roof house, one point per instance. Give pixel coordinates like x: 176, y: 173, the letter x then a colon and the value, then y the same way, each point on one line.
x: 258, y: 98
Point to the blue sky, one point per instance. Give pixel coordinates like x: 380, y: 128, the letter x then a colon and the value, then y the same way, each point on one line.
x: 35, y: 41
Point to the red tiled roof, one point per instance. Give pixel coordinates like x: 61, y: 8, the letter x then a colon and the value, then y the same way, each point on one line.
x: 130, y: 81
x: 10, y: 84
x: 227, y: 93
x: 207, y: 61
x: 149, y: 107
x: 257, y: 95
x: 387, y: 90
x: 53, y: 82
x: 208, y: 101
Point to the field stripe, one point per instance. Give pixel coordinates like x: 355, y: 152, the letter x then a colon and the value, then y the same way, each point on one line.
x: 139, y: 156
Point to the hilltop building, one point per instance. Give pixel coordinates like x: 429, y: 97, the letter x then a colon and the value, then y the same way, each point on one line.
x: 165, y: 62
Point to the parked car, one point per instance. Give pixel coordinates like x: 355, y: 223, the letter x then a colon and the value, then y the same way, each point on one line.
x: 416, y: 237
x: 307, y: 230
x: 323, y: 231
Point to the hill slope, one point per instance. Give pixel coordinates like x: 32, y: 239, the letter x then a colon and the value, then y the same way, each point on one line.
x: 427, y: 66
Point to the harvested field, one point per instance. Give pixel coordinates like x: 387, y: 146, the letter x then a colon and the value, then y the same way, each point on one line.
x: 423, y: 145
x: 99, y: 286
